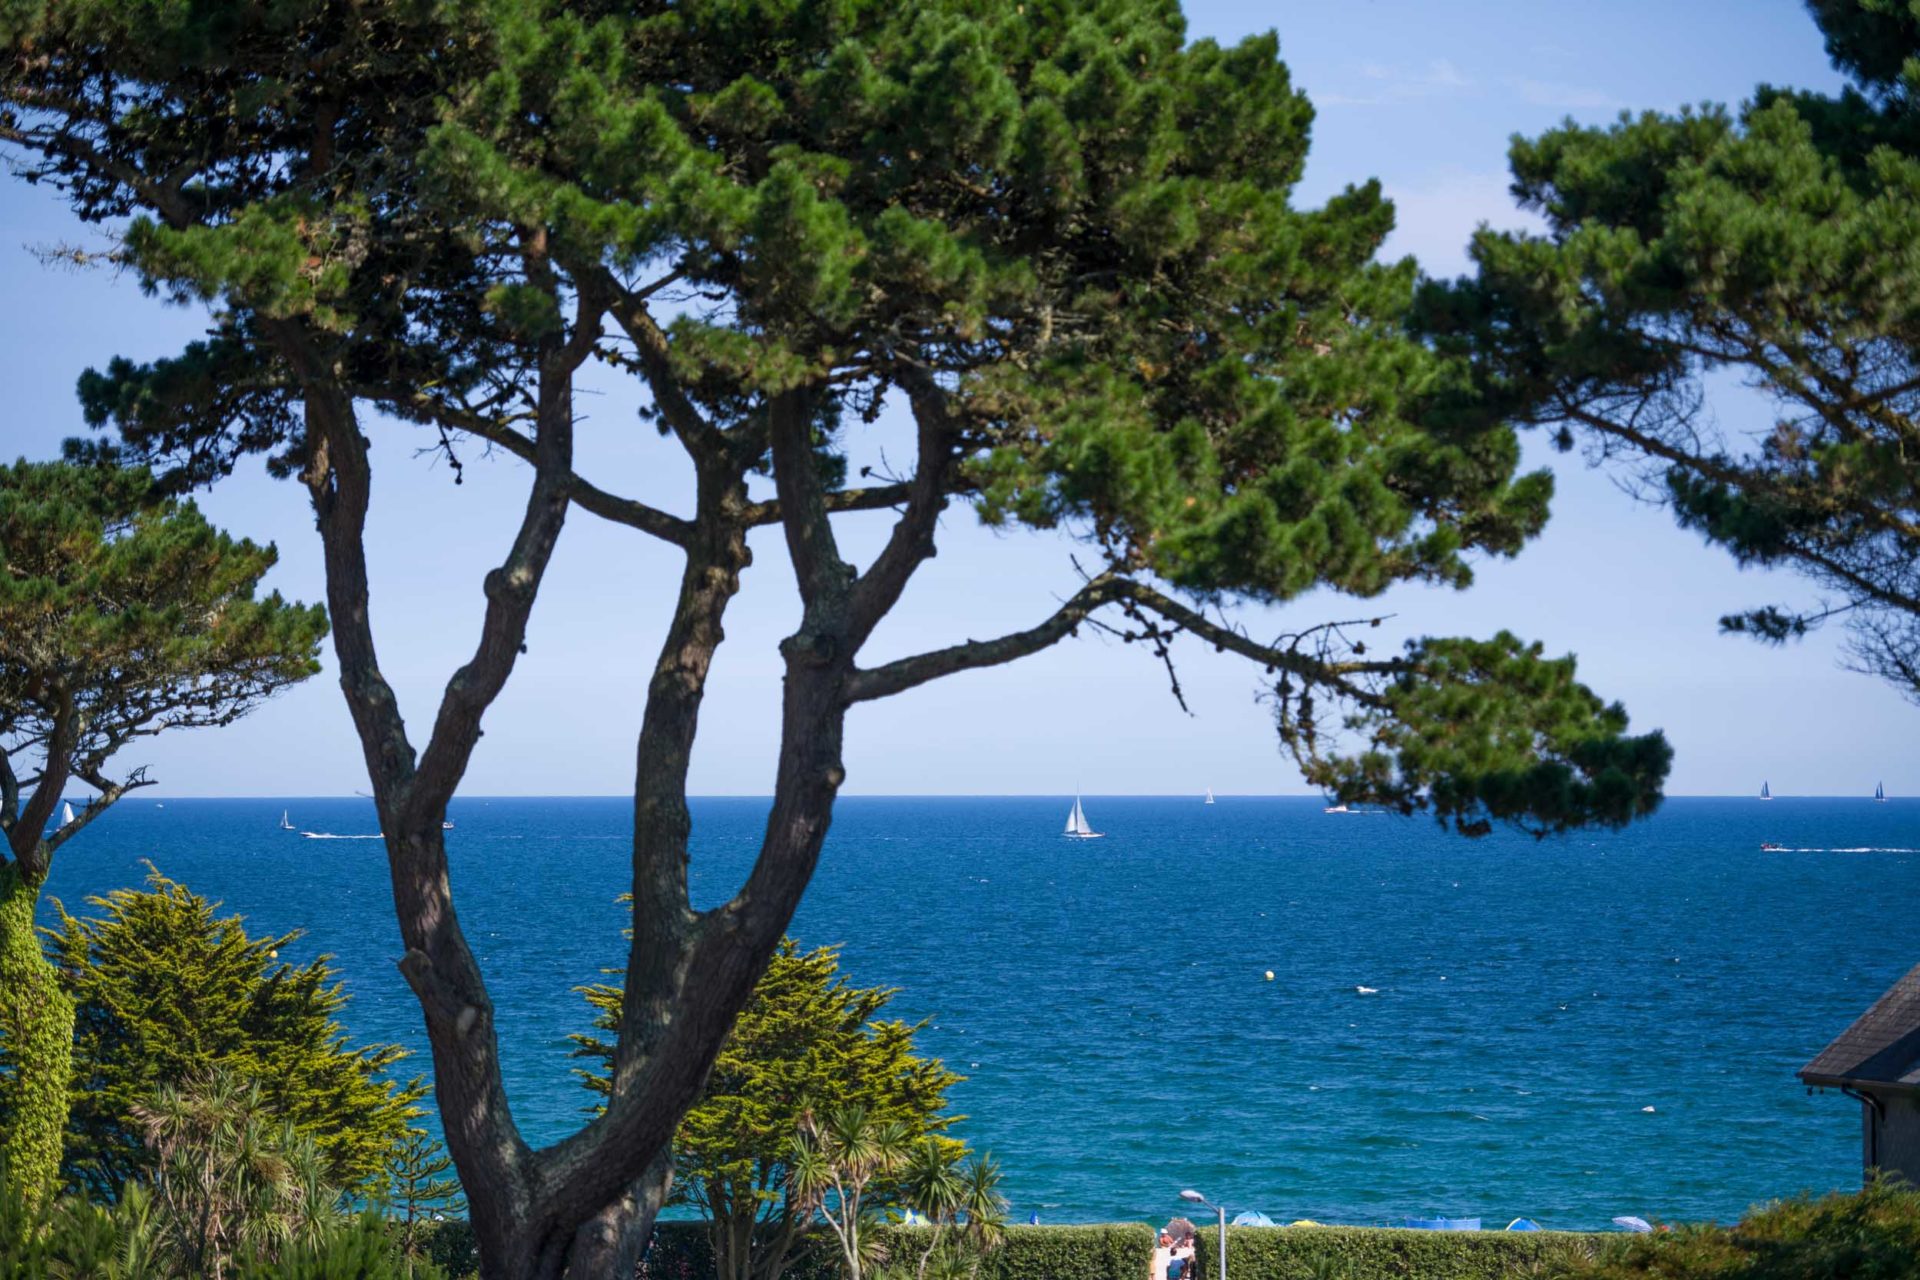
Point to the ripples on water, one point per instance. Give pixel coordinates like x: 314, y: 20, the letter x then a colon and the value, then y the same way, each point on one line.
x: 1107, y: 999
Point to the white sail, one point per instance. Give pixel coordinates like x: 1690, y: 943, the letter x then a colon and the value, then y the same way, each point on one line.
x: 1209, y: 795
x: 1077, y: 824
x: 66, y: 814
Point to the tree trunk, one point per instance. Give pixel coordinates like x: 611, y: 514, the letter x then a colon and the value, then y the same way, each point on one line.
x: 36, y: 1022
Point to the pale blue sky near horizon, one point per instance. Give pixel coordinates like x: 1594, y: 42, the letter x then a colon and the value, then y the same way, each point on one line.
x: 1423, y: 96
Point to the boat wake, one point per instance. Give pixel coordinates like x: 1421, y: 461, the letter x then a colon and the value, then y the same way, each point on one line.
x: 1777, y: 848
x: 328, y: 835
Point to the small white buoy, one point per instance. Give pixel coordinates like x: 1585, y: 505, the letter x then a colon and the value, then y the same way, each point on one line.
x: 1443, y: 977
x: 1269, y: 975
x: 1646, y: 1110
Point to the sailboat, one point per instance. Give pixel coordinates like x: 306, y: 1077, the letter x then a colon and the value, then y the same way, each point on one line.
x: 1764, y: 793
x: 286, y: 822
x: 1879, y: 793
x: 66, y: 815
x: 1209, y: 795
x: 1077, y: 823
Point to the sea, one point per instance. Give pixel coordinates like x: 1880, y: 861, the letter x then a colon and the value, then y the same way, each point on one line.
x: 1340, y: 1017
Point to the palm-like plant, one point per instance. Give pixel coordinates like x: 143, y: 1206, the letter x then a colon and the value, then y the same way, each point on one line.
x: 230, y: 1179
x: 835, y: 1163
x: 960, y: 1199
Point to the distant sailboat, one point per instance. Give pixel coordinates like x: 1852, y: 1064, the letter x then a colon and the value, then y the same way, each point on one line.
x: 1879, y: 793
x: 1764, y: 793
x: 1209, y: 795
x: 286, y: 821
x: 447, y: 825
x: 1077, y: 823
x: 66, y: 815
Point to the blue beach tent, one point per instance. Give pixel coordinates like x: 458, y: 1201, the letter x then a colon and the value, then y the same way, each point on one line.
x: 1444, y: 1224
x: 1252, y: 1218
x: 1523, y: 1224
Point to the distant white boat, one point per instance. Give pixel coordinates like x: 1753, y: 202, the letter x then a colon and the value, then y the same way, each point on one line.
x: 1209, y: 795
x: 286, y: 821
x: 1879, y: 793
x: 66, y: 815
x: 1077, y: 825
x: 447, y: 825
x: 1336, y: 808
x: 1764, y: 793
x: 1366, y: 991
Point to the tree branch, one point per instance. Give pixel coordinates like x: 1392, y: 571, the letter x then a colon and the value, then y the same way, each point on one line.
x: 877, y: 498
x: 817, y: 563
x: 1109, y: 588
x: 109, y: 790
x: 584, y: 494
x: 655, y: 356
x: 511, y: 588
x: 911, y: 543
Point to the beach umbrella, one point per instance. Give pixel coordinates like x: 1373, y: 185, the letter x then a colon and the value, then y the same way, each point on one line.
x: 1523, y: 1224
x: 1632, y: 1223
x: 1251, y: 1218
x: 1180, y: 1229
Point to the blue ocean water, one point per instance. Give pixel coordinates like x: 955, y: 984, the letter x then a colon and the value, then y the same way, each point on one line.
x: 1107, y: 1000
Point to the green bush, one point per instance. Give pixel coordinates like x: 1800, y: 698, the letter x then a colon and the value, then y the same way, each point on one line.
x: 1377, y: 1253
x: 680, y: 1251
x: 1872, y: 1235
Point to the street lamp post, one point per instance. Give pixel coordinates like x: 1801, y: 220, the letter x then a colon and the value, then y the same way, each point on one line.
x: 1196, y: 1198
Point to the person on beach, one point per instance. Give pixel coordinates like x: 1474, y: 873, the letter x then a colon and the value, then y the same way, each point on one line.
x: 1162, y: 1255
x: 1180, y: 1265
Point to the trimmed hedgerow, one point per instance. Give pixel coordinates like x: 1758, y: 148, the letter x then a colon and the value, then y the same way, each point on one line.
x: 1387, y: 1253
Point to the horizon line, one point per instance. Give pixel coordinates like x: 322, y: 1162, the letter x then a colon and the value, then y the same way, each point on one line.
x: 987, y: 795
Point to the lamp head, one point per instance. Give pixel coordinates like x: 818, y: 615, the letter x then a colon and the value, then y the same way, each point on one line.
x: 1194, y: 1196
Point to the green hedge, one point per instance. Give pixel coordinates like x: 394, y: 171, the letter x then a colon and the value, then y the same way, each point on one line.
x: 1120, y: 1252
x: 1387, y: 1253
x: 1123, y: 1251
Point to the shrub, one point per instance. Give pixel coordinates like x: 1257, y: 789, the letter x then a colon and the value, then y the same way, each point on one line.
x: 1375, y: 1253
x: 1871, y: 1235
x: 167, y: 989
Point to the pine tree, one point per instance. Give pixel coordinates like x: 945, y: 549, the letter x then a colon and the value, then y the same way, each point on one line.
x: 123, y: 614
x: 1779, y: 244
x: 168, y: 992
x: 1054, y: 244
x: 808, y: 1038
x: 421, y: 1187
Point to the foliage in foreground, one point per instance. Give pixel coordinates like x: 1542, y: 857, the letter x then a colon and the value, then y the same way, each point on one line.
x: 807, y: 1038
x: 166, y: 1236
x: 166, y: 988
x: 1870, y: 1235
x: 123, y: 614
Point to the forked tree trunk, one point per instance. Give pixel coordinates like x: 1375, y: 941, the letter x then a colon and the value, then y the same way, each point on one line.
x: 36, y: 1024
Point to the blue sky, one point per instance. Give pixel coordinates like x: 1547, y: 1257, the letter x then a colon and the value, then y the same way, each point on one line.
x: 1422, y: 95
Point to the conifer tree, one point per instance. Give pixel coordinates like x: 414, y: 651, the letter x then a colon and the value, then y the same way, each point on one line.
x: 808, y: 1038
x: 122, y: 615
x: 167, y: 991
x: 1054, y: 242
x: 421, y: 1187
x: 1778, y: 244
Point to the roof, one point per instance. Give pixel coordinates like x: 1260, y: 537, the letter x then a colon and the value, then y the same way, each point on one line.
x: 1882, y: 1047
